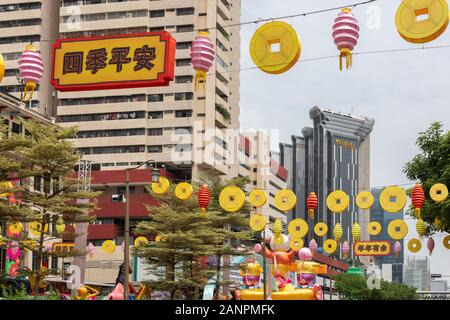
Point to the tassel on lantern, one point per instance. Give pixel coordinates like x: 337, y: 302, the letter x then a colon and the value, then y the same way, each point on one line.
x: 31, y: 69
x: 311, y: 203
x: 202, y: 57
x: 345, y: 35
x: 204, y: 198
x: 418, y: 198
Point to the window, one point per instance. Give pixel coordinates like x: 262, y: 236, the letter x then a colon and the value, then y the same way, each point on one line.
x: 184, y: 96
x: 183, y: 79
x: 111, y: 150
x: 155, y: 97
x: 37, y: 183
x: 185, y: 28
x: 185, y: 11
x: 156, y: 29
x: 183, y: 113
x: 183, y: 62
x: 155, y: 115
x: 16, y: 128
x: 184, y: 45
x: 154, y: 149
x: 183, y: 130
x: 183, y: 147
x: 121, y: 190
x: 103, y: 116
x: 155, y: 132
x: 157, y: 13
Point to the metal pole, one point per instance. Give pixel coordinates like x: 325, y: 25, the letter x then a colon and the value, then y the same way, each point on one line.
x: 127, y: 237
x: 331, y: 287
x: 264, y: 264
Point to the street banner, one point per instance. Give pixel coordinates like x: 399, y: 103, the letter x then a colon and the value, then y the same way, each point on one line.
x: 372, y: 248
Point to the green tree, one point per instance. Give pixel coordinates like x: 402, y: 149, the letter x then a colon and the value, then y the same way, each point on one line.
x: 47, y: 155
x: 431, y: 166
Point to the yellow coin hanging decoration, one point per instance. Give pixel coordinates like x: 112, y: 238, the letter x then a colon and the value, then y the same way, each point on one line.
x: 278, y: 239
x: 296, y: 244
x: 183, y: 191
x: 60, y: 225
x: 161, y: 187
x: 330, y: 246
x: 36, y: 228
x: 364, y: 200
x: 420, y: 21
x: 337, y: 201
x: 275, y: 47
x: 397, y: 229
x: 257, y: 198
x: 140, y: 242
x: 285, y: 200
x: 15, y: 228
x: 414, y: 245
x: 374, y: 228
x: 393, y: 199
x: 439, y: 192
x: 232, y: 199
x: 108, y: 246
x: 5, y: 186
x: 298, y: 228
x: 257, y: 222
x: 320, y: 229
x: 446, y: 241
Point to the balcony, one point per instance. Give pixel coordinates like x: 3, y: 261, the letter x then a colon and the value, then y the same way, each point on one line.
x: 109, y: 209
x: 104, y: 231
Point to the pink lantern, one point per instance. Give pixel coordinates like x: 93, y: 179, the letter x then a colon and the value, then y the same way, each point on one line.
x: 13, y: 252
x: 345, y: 35
x: 257, y: 248
x: 305, y: 254
x: 202, y: 57
x: 31, y: 70
x: 345, y: 249
x: 313, y: 245
x: 397, y: 248
x: 430, y: 244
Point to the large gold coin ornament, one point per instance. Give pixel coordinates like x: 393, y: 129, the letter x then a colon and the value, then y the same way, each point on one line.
x: 421, y: 21
x: 257, y: 198
x: 257, y: 222
x: 414, y: 245
x: 330, y: 246
x: 296, y: 244
x: 285, y: 200
x: 397, y: 229
x: 278, y: 239
x: 337, y: 201
x: 161, y: 187
x: 439, y: 192
x: 298, y: 228
x: 364, y: 200
x: 374, y: 228
x: 232, y: 199
x: 320, y: 229
x: 446, y: 241
x: 275, y: 47
x: 60, y: 226
x: 140, y: 242
x: 36, y: 228
x: 393, y: 199
x: 15, y: 228
x: 5, y: 186
x: 183, y: 191
x: 108, y: 246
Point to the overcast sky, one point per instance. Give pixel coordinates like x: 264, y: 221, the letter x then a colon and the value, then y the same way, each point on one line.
x: 404, y: 92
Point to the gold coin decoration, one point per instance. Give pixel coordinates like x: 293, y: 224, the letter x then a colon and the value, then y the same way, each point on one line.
x: 275, y: 47
x: 393, y: 199
x: 374, y: 228
x: 232, y: 199
x: 36, y: 228
x: 158, y: 238
x: 5, y: 186
x: 278, y: 239
x: 108, y: 246
x: 257, y: 222
x: 285, y: 200
x: 296, y: 244
x: 439, y: 192
x: 257, y: 198
x: 397, y: 229
x: 446, y: 241
x: 140, y: 242
x: 183, y: 191
x: 337, y: 201
x: 298, y: 228
x: 414, y: 245
x: 320, y: 229
x: 364, y: 200
x: 15, y: 228
x: 60, y: 225
x: 421, y: 21
x: 330, y: 246
x: 161, y: 187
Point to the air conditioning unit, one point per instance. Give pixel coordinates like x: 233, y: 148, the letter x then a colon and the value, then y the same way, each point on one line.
x: 118, y: 198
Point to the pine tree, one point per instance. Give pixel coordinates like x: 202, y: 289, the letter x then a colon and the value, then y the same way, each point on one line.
x: 49, y: 156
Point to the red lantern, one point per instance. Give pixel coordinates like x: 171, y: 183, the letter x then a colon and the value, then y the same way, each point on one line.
x: 204, y: 198
x: 311, y: 203
x: 418, y: 198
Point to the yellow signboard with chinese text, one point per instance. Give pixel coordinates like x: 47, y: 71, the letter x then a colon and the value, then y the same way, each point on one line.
x: 372, y: 248
x: 114, y: 62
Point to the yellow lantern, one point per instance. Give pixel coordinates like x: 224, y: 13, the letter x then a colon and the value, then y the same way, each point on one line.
x: 60, y: 225
x: 338, y: 232
x: 2, y: 67
x: 356, y: 231
x: 277, y: 231
x: 421, y: 227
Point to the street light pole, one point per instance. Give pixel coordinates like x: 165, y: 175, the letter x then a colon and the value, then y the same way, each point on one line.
x: 126, y: 260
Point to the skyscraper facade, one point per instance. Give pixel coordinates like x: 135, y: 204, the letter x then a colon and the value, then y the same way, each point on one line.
x: 417, y: 272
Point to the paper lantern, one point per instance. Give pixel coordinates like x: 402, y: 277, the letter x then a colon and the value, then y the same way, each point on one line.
x: 31, y: 70
x: 356, y: 231
x: 418, y: 198
x: 397, y: 248
x: 202, y: 57
x: 257, y: 248
x: 311, y: 203
x: 430, y: 245
x: 345, y: 35
x: 345, y: 249
x: 2, y: 67
x: 338, y: 232
x: 204, y: 198
x: 305, y: 254
x: 421, y: 228
x: 277, y: 231
x: 313, y: 245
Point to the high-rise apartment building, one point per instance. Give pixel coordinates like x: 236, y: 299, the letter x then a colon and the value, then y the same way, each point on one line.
x: 417, y: 272
x: 334, y: 154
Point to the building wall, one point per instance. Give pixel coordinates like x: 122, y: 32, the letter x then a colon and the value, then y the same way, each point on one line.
x: 417, y: 272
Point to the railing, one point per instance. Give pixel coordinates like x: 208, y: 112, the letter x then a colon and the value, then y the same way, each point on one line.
x: 433, y: 295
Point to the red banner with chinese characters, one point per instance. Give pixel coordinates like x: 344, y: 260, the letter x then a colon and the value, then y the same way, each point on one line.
x: 372, y: 248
